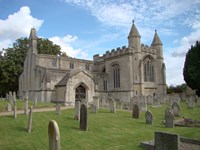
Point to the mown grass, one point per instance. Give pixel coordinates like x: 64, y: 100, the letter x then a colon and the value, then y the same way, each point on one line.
x: 20, y: 104
x: 107, y: 131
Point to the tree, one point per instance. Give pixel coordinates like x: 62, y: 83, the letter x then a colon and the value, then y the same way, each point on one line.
x: 191, y: 70
x: 12, y: 62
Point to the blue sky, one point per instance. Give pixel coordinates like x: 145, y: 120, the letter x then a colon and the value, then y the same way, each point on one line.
x: 84, y: 28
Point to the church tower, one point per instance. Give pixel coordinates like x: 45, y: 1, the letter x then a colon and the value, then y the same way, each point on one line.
x: 135, y: 47
x: 158, y: 46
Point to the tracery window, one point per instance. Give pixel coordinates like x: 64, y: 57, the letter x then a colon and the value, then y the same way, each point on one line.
x: 116, y: 76
x: 148, y: 69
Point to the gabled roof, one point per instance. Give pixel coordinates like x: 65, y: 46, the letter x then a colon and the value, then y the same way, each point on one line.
x: 68, y: 75
x: 156, y: 39
x: 134, y: 32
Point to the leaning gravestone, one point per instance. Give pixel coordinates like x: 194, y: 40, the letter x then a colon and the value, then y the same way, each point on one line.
x: 149, y: 117
x: 198, y: 101
x: 83, y: 118
x: 30, y: 120
x: 169, y: 119
x: 58, y: 109
x: 143, y: 106
x: 54, y: 135
x: 166, y: 141
x: 176, y: 109
x: 15, y: 111
x: 77, y: 110
x: 135, y: 111
x: 112, y: 105
x: 26, y: 106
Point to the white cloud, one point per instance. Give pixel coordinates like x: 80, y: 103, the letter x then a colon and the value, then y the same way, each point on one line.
x: 176, y: 57
x: 67, y: 48
x: 17, y: 25
x: 151, y: 12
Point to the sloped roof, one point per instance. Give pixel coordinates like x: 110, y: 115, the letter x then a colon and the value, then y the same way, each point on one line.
x: 156, y: 39
x: 134, y: 32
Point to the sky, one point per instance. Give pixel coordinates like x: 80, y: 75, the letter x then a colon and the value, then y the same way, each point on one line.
x: 84, y: 28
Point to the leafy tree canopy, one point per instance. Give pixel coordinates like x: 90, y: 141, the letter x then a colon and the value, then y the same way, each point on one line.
x: 191, y: 70
x: 11, y: 63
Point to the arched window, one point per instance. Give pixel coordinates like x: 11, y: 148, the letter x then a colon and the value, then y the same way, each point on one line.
x: 116, y: 76
x: 148, y: 69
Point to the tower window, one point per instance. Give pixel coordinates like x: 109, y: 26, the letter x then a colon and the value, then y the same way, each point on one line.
x: 148, y: 69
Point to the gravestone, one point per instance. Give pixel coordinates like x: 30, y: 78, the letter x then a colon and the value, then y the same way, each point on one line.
x: 118, y: 104
x: 94, y: 108
x: 26, y: 106
x: 190, y: 102
x: 83, y: 118
x: 169, y: 119
x: 7, y: 96
x: 54, y: 135
x: 14, y: 98
x: 136, y: 111
x: 176, y: 109
x: 8, y: 107
x: 112, y: 105
x: 77, y: 110
x: 149, y: 99
x: 149, y: 117
x: 10, y: 97
x: 96, y: 101
x: 166, y: 141
x: 143, y: 106
x: 29, y: 129
x: 58, y: 109
x: 156, y: 101
x: 15, y: 112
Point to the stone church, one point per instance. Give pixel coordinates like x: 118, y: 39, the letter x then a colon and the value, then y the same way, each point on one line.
x: 121, y: 73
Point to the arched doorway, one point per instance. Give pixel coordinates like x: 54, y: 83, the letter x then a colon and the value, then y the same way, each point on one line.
x: 80, y: 93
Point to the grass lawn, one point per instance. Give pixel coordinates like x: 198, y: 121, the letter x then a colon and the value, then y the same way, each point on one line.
x: 107, y: 131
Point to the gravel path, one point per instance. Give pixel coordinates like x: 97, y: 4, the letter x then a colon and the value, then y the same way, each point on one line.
x: 34, y: 110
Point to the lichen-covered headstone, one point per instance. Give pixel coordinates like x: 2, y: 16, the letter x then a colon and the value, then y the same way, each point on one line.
x: 83, y: 118
x: 54, y: 135
x: 77, y: 110
x: 29, y: 129
x: 169, y: 119
x: 136, y: 111
x: 166, y: 141
x: 176, y: 109
x: 149, y: 117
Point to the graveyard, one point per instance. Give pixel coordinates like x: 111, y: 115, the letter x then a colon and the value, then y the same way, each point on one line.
x: 106, y: 130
